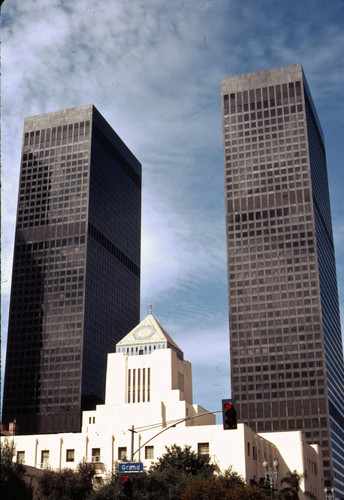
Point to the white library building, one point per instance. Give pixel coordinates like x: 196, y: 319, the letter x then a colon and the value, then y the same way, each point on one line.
x: 149, y: 405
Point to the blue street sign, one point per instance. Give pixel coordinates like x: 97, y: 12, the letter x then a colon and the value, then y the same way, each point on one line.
x: 130, y: 467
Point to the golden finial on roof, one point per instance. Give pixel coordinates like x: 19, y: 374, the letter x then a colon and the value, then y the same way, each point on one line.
x: 150, y: 308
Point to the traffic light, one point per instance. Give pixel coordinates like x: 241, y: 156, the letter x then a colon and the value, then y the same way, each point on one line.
x: 126, y: 485
x: 229, y: 415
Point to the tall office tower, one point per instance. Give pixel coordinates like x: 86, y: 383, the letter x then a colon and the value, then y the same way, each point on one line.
x: 286, y: 350
x: 76, y: 270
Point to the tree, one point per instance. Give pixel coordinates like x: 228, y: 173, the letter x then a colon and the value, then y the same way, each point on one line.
x: 245, y: 492
x: 12, y: 483
x: 291, y: 492
x: 67, y: 484
x: 109, y: 489
x: 171, y: 474
x: 205, y: 490
x: 212, y: 489
x: 230, y: 478
x: 185, y: 460
x: 164, y: 484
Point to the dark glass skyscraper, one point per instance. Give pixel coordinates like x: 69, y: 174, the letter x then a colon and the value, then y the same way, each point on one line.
x: 285, y: 338
x: 76, y: 270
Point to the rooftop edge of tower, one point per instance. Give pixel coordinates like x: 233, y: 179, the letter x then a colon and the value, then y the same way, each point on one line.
x: 248, y: 81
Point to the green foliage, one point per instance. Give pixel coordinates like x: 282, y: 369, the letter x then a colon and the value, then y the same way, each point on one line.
x: 230, y: 478
x: 67, y: 484
x: 248, y: 493
x: 109, y: 490
x: 291, y: 491
x: 12, y: 483
x: 210, y: 489
x: 171, y: 474
x: 160, y: 484
x: 215, y: 490
x: 185, y: 460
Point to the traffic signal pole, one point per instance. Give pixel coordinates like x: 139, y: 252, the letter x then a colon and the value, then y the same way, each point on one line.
x: 132, y: 441
x: 170, y: 427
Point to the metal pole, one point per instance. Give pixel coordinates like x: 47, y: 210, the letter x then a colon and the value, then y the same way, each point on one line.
x: 132, y: 442
x: 175, y: 424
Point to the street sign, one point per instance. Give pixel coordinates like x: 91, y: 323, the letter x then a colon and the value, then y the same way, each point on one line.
x: 130, y: 467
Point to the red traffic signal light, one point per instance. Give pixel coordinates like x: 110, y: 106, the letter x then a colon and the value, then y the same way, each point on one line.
x: 229, y: 416
x: 126, y: 485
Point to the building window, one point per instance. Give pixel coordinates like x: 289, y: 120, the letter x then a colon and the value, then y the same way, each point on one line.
x: 248, y: 449
x: 148, y: 385
x: 149, y: 452
x: 95, y: 454
x: 254, y: 453
x: 134, y: 384
x: 143, y: 384
x: 44, y: 458
x: 203, y: 449
x: 122, y: 453
x: 20, y: 457
x: 70, y: 455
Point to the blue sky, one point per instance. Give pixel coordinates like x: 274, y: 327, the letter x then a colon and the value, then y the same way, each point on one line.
x: 153, y: 69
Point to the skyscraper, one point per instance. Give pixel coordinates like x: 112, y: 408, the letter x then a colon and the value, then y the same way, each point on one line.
x: 76, y: 269
x: 285, y: 338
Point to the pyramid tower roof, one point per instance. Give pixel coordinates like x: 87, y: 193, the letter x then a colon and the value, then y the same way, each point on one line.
x: 148, y: 333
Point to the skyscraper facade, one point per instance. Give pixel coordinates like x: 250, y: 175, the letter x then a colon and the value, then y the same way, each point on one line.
x: 287, y: 367
x: 76, y: 269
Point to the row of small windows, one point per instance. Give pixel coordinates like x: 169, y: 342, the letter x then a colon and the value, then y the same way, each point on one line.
x: 262, y: 98
x: 23, y: 250
x: 281, y: 286
x: 75, y: 217
x: 278, y: 331
x: 285, y: 126
x: 273, y: 367
x: 245, y: 169
x: 281, y: 133
x: 289, y: 124
x: 248, y: 368
x: 31, y: 159
x: 275, y: 175
x: 244, y: 217
x: 142, y: 349
x: 45, y: 214
x: 266, y: 114
x: 265, y: 148
x: 272, y: 199
x: 259, y: 230
x: 56, y: 136
x: 268, y: 147
x: 122, y: 453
